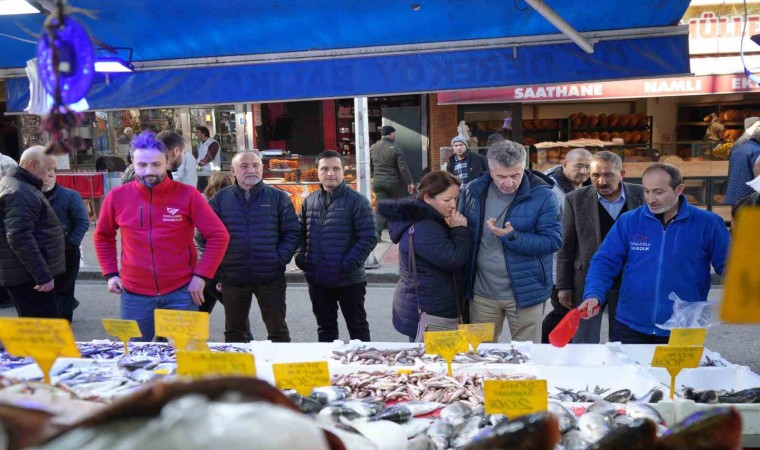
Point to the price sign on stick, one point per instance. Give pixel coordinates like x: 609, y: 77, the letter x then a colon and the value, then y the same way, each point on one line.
x: 124, y: 330
x: 477, y: 333
x: 447, y: 344
x: 203, y: 364
x: 188, y: 329
x: 741, y: 295
x: 674, y: 359
x: 302, y: 377
x: 515, y: 398
x: 42, y: 339
x: 687, y: 337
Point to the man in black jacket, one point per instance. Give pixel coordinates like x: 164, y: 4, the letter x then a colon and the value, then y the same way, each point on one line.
x: 337, y: 235
x: 464, y: 164
x: 264, y: 235
x: 31, y: 237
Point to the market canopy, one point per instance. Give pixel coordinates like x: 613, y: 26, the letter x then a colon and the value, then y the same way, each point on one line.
x: 192, y: 52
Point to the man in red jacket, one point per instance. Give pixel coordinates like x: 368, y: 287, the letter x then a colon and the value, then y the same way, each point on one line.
x: 157, y: 217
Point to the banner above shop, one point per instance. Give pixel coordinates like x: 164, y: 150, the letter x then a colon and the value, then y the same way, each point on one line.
x: 654, y: 87
x: 381, y: 75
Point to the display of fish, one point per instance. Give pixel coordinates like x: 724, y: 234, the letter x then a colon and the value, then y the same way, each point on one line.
x: 420, y: 385
x: 751, y: 395
x: 714, y: 429
x: 532, y: 432
x: 598, y: 393
x: 640, y: 434
x: 417, y: 356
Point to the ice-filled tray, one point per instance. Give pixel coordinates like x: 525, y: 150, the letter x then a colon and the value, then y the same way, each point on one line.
x: 613, y: 378
x: 274, y: 352
x: 716, y: 378
x: 61, y: 365
x: 642, y: 354
x: 575, y: 355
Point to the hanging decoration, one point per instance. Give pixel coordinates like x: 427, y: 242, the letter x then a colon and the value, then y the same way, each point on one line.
x: 65, y: 58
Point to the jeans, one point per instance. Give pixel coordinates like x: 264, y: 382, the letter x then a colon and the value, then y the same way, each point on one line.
x: 64, y: 284
x: 626, y: 335
x: 324, y: 304
x: 31, y: 303
x: 237, y: 307
x: 589, y: 331
x: 140, y: 308
x: 385, y: 190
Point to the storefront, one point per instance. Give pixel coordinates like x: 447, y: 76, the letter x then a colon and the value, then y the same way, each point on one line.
x: 665, y: 119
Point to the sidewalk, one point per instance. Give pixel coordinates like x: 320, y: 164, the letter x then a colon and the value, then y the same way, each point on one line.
x: 385, y: 252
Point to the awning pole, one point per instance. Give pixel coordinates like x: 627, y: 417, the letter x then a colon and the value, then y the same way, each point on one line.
x: 361, y: 137
x: 561, y: 24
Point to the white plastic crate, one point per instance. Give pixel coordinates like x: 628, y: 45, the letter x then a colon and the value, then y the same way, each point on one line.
x: 642, y: 354
x: 614, y: 378
x: 575, y: 355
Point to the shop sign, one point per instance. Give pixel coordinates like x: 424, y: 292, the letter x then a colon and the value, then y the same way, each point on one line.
x: 188, y: 329
x: 446, y: 344
x: 674, y: 359
x: 204, y: 364
x: 477, y: 333
x: 658, y: 87
x: 515, y: 398
x: 44, y: 340
x: 124, y: 330
x: 717, y: 29
x: 687, y: 337
x: 301, y: 377
x: 741, y: 298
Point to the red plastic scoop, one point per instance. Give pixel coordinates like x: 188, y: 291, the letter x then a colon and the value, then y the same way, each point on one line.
x: 567, y: 327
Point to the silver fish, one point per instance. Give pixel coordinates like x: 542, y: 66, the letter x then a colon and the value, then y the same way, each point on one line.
x: 595, y: 425
x: 420, y: 442
x: 653, y: 396
x: 364, y: 409
x: 623, y: 420
x: 621, y: 396
x: 420, y: 408
x: 574, y: 440
x: 456, y: 413
x: 644, y: 411
x: 328, y: 394
x: 567, y: 419
x: 603, y: 407
x: 466, y: 431
x: 440, y: 433
x: 398, y: 413
x: 414, y: 427
x: 335, y: 413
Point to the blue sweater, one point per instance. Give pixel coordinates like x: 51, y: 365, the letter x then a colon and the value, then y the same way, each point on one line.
x: 69, y: 207
x: 740, y: 164
x: 528, y: 249
x: 656, y: 261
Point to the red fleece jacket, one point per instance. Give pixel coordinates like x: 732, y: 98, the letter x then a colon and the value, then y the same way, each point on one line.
x: 157, y: 225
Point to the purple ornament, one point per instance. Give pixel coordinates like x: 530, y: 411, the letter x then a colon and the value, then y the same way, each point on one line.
x: 76, y: 60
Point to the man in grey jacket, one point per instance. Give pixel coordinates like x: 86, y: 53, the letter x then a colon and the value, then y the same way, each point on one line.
x: 391, y: 178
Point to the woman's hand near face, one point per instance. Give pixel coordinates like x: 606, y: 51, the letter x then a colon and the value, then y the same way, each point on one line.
x: 456, y: 219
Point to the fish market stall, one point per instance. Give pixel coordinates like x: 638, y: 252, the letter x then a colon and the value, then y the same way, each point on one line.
x: 397, y: 389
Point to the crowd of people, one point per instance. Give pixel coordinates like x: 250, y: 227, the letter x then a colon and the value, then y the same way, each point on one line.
x: 485, y: 241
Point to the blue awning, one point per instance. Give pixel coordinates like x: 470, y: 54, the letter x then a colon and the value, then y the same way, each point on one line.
x: 240, y: 51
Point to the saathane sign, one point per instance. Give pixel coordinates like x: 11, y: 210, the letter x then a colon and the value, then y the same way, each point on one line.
x: 659, y: 87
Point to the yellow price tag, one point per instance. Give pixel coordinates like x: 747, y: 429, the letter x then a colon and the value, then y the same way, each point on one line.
x: 303, y: 377
x: 183, y: 327
x: 687, y: 337
x: 477, y: 333
x: 42, y: 339
x: 674, y: 359
x: 741, y: 294
x: 203, y: 364
x: 123, y: 330
x: 447, y: 344
x: 515, y: 398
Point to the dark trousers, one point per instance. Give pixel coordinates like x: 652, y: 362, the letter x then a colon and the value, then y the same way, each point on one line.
x: 210, y: 298
x: 5, y: 298
x: 31, y: 303
x: 626, y: 335
x: 324, y: 304
x: 386, y: 190
x: 553, y: 318
x: 237, y: 306
x: 65, y: 284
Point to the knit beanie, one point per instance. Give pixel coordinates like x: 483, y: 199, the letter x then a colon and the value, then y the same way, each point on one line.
x: 459, y: 139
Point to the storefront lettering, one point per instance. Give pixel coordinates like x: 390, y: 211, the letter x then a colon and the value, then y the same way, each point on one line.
x: 678, y: 85
x: 743, y: 83
x: 563, y: 91
x: 712, y: 26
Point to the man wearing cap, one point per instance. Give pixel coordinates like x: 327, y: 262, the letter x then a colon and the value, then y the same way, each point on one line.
x: 740, y: 162
x: 391, y: 176
x: 464, y: 164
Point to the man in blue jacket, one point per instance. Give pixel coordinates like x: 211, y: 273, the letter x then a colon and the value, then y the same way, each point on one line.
x: 740, y: 161
x: 69, y: 207
x: 665, y: 247
x: 512, y: 215
x: 263, y: 232
x: 337, y: 236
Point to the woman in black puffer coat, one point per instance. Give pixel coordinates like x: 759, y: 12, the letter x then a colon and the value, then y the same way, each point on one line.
x: 441, y: 249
